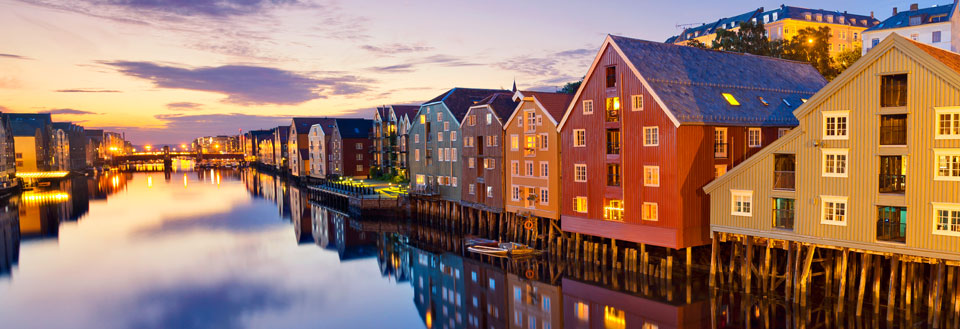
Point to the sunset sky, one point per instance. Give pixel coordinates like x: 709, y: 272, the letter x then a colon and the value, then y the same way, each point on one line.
x: 167, y: 71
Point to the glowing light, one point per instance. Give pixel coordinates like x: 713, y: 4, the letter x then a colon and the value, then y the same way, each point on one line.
x: 810, y: 40
x: 184, y: 180
x: 730, y: 99
x: 43, y: 174
x: 148, y: 147
x: 583, y: 311
x: 149, y: 181
x: 613, y: 318
x: 429, y: 319
x: 50, y: 196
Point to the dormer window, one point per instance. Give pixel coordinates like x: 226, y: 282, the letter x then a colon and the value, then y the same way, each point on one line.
x: 916, y: 20
x: 611, y: 76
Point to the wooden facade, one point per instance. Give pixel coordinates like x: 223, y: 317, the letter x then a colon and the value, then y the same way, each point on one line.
x: 281, y: 159
x: 897, y: 207
x: 298, y: 144
x: 620, y: 184
x: 390, y: 124
x: 350, y: 147
x: 481, y: 161
x: 532, y: 155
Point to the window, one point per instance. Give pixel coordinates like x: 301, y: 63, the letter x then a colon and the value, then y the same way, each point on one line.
x: 516, y: 193
x: 416, y: 138
x: 580, y: 204
x: 946, y: 219
x: 611, y: 76
x: 359, y: 157
x: 650, y: 211
x: 583, y: 312
x: 948, y: 164
x: 948, y: 123
x: 544, y: 196
x: 833, y: 210
x: 916, y: 20
x: 784, y: 171
x: 531, y: 146
x: 613, y: 109
x: 489, y: 191
x: 531, y: 120
x: 489, y: 118
x: 579, y: 138
x: 544, y: 169
x: 359, y: 146
x: 613, y: 174
x: 423, y: 119
x: 471, y: 162
x: 874, y: 42
x: 730, y: 99
x: 453, y: 155
x: 613, y: 210
x: 490, y: 163
x: 834, y: 162
x: 453, y: 136
x: 588, y: 107
x: 720, y: 142
x: 529, y: 166
x: 783, y: 213
x: 893, y: 129
x: 835, y: 124
x: 754, y: 137
x: 719, y: 170
x: 651, y: 136
x: 936, y: 36
x: 359, y: 168
x: 439, y: 116
x: 637, y: 102
x: 613, y: 141
x: 416, y: 155
x: 515, y: 167
x: 893, y: 90
x: 741, y: 202
x: 453, y: 181
x: 545, y: 303
x: 542, y: 143
x: 893, y: 178
x: 782, y: 131
x: 651, y: 176
x: 442, y: 154
x: 514, y: 142
x: 892, y: 224
x: 471, y: 189
x: 440, y: 136
x: 420, y: 180
x: 580, y: 173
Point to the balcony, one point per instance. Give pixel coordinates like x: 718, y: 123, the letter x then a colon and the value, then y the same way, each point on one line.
x: 891, y: 229
x: 784, y: 180
x: 893, y: 183
x: 529, y: 151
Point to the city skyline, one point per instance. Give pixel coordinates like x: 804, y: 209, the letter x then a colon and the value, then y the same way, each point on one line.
x: 166, y: 74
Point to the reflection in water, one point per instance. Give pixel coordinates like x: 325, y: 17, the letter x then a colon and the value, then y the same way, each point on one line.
x: 212, y: 248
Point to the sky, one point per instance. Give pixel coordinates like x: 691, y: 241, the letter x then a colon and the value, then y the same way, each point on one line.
x: 168, y: 71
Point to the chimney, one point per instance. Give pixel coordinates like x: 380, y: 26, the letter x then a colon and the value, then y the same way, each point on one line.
x: 915, y: 6
x: 894, y: 11
x: 871, y: 14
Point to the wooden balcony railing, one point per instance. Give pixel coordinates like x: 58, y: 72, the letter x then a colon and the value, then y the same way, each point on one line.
x: 893, y: 183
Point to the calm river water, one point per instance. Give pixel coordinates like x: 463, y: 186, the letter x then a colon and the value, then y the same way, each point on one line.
x: 242, y: 249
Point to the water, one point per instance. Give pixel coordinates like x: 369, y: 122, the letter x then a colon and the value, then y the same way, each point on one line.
x: 241, y: 249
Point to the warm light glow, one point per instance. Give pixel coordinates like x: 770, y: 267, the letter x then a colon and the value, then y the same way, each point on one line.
x: 47, y: 196
x: 613, y: 318
x: 730, y: 99
x: 43, y: 174
x: 148, y: 147
x: 149, y: 181
x: 583, y: 311
x: 810, y: 40
x: 429, y: 320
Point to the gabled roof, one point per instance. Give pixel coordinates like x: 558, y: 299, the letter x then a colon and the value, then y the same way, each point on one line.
x: 354, y: 128
x: 948, y: 58
x: 928, y: 16
x: 459, y: 100
x: 799, y: 13
x: 501, y: 103
x: 283, y: 132
x: 407, y: 111
x: 689, y: 83
x: 302, y: 125
x: 710, y: 28
x: 26, y: 124
x: 782, y: 12
x: 555, y: 104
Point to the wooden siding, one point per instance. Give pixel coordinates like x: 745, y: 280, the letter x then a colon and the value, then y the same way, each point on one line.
x: 433, y: 168
x: 551, y: 156
x: 860, y: 96
x: 493, y: 177
x: 685, y: 157
x: 349, y: 159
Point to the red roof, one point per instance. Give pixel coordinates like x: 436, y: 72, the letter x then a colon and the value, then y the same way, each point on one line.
x: 554, y: 103
x: 948, y: 58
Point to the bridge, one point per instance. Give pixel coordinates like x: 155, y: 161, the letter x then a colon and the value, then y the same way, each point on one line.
x: 134, y: 160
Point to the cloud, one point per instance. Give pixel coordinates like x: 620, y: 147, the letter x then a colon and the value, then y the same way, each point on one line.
x: 396, y: 48
x: 576, y: 52
x: 69, y: 112
x: 212, y: 8
x: 245, y: 84
x: 86, y: 90
x: 184, y: 106
x: 552, y: 70
x: 438, y: 60
x: 220, y: 304
x: 13, y: 56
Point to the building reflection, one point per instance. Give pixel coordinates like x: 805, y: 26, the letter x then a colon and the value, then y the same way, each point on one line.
x: 485, y: 289
x: 9, y: 236
x: 438, y: 287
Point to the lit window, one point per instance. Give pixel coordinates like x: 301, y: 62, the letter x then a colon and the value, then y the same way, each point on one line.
x: 470, y: 162
x: 834, y: 162
x: 651, y: 136
x: 835, y: 124
x: 754, y: 137
x: 651, y: 211
x: 741, y: 203
x: 489, y: 118
x: 948, y: 164
x: 730, y: 99
x: 453, y: 136
x: 514, y: 142
x: 651, y: 176
x: 579, y: 138
x: 580, y: 173
x: 613, y: 210
x: 515, y: 167
x: 946, y: 219
x: 719, y: 170
x: 833, y: 210
x: 423, y: 119
x: 579, y: 204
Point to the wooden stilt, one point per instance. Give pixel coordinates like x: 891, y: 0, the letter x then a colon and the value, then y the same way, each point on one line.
x: 788, y: 290
x: 713, y: 259
x: 892, y: 296
x: 938, y: 290
x: 689, y: 260
x: 748, y: 264
x: 864, y: 271
x: 806, y: 275
x: 877, y: 276
x: 765, y: 276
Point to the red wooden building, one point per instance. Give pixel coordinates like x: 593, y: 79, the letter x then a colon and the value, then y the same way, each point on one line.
x: 351, y: 146
x: 652, y: 123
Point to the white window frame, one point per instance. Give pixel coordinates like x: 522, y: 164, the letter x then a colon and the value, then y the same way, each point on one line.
x: 656, y: 131
x: 751, y: 132
x: 544, y: 143
x: 845, y: 115
x: 655, y: 170
x: 953, y: 111
x: 514, y: 142
x: 782, y: 131
x: 824, y: 199
x: 453, y: 181
x: 936, y: 164
x: 489, y: 118
x: 544, y: 169
x: 515, y: 167
x: 471, y: 162
x: 528, y: 169
x: 576, y: 172
x: 577, y: 141
x: 937, y: 206
x: 439, y: 136
x: 515, y: 193
x: 453, y: 154
x: 416, y: 155
x: 489, y: 191
x: 544, y: 196
x: 577, y: 201
x: 588, y: 104
x: 453, y: 136
x: 472, y: 189
x: 824, y: 153
x: 655, y: 212
x: 748, y: 195
x: 637, y: 102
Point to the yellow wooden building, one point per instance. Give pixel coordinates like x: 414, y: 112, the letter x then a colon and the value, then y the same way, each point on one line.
x: 874, y: 166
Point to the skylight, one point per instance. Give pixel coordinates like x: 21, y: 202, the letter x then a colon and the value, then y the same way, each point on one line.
x: 764, y: 101
x: 785, y: 101
x: 730, y: 99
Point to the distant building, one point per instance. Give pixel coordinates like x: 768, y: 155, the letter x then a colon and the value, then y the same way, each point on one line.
x: 784, y: 22
x: 251, y: 143
x: 265, y: 149
x: 113, y: 145
x: 389, y: 138
x: 321, y: 154
x: 77, y: 144
x: 32, y: 137
x: 350, y: 145
x: 298, y: 144
x: 281, y: 158
x: 218, y: 144
x: 8, y: 165
x: 60, y: 146
x: 94, y: 145
x: 938, y: 26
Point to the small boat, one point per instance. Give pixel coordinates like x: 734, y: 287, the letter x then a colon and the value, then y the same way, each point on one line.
x: 471, y: 241
x: 506, y: 249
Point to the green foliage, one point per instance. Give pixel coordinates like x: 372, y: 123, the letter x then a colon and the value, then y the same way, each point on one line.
x: 570, y: 87
x: 812, y: 46
x: 847, y: 58
x: 750, y: 38
x: 696, y: 44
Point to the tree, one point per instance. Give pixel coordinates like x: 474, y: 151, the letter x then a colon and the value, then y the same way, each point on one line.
x: 812, y: 46
x: 847, y: 58
x: 570, y: 87
x: 751, y: 38
x: 696, y: 44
